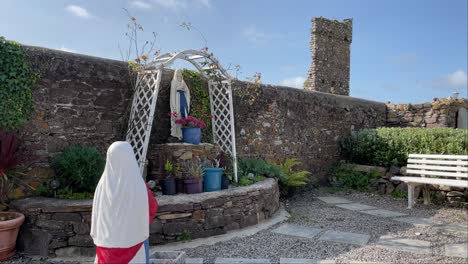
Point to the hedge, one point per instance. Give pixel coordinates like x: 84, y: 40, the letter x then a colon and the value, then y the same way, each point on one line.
x: 391, y: 146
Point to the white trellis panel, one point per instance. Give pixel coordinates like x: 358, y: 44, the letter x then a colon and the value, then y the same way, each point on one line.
x: 142, y: 113
x: 146, y: 94
x: 223, y: 118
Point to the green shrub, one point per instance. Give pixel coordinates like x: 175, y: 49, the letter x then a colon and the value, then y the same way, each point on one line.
x: 285, y: 172
x: 259, y: 167
x: 292, y: 178
x: 16, y: 81
x: 345, y: 176
x: 391, y: 146
x: 78, y: 169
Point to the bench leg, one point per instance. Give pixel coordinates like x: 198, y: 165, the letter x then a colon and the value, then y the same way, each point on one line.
x: 427, y: 195
x: 410, y: 196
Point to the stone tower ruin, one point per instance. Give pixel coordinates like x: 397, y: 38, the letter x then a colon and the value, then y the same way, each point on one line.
x: 331, y: 49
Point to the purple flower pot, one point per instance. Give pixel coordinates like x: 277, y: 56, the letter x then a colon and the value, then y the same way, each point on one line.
x: 193, y: 186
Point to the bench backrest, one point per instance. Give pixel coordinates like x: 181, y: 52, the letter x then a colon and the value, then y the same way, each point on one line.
x: 444, y: 166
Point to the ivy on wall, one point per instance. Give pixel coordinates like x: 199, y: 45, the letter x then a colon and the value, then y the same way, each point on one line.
x: 199, y: 101
x: 16, y: 81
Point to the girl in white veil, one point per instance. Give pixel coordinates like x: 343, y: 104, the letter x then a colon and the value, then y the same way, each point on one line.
x: 122, y: 206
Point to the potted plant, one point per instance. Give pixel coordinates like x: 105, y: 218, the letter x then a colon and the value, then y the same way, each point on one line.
x: 179, y: 179
x: 194, y: 184
x: 168, y: 184
x: 226, y: 164
x: 212, y: 176
x: 10, y: 222
x: 191, y: 129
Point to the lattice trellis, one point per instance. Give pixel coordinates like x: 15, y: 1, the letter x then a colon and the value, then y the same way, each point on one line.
x: 146, y: 94
x: 142, y: 113
x: 223, y: 118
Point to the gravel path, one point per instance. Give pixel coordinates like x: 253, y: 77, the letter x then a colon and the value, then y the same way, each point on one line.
x: 307, y: 210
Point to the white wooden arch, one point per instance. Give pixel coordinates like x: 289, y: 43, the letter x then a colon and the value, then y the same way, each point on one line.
x: 146, y: 95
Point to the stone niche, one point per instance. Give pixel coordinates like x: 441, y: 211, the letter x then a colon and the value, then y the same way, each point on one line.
x: 60, y: 228
x: 178, y: 153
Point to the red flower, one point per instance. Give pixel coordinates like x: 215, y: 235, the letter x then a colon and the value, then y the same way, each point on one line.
x: 190, y: 121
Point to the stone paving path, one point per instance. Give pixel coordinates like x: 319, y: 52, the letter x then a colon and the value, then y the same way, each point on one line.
x: 392, y: 243
x: 408, y: 245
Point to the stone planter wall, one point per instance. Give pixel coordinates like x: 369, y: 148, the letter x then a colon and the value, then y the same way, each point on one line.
x: 55, y: 227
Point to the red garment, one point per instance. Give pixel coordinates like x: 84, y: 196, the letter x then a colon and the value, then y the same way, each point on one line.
x: 124, y: 255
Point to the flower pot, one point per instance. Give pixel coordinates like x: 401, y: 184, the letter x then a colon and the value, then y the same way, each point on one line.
x: 8, y: 233
x: 168, y: 186
x: 180, y: 185
x: 225, y: 182
x: 191, y: 135
x: 193, y: 186
x: 212, y: 179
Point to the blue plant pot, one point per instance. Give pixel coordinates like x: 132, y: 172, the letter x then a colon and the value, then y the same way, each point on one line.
x: 191, y: 135
x: 212, y: 179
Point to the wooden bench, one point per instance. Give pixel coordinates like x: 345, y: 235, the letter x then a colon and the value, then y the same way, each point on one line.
x: 448, y: 170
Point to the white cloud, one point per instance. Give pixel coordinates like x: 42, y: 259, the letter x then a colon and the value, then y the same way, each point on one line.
x: 67, y: 50
x: 296, y: 82
x: 253, y: 35
x: 78, y: 11
x: 141, y: 4
x: 456, y: 80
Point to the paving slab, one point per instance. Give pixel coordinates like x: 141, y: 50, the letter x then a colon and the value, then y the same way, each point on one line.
x: 383, y: 213
x: 305, y: 261
x: 456, y: 250
x: 403, y: 244
x: 356, y: 206
x: 241, y: 261
x: 333, y: 200
x: 193, y: 261
x: 345, y: 237
x: 417, y: 221
x: 297, y: 230
x: 454, y: 228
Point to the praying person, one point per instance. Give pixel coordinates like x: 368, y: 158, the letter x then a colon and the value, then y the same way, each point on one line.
x: 123, y: 207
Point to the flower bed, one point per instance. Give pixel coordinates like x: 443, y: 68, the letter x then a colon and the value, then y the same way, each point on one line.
x: 56, y: 227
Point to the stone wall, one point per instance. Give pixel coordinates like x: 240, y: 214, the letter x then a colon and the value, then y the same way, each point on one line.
x: 61, y: 228
x: 331, y: 56
x: 86, y: 100
x: 438, y: 113
x: 384, y: 185
x: 284, y: 123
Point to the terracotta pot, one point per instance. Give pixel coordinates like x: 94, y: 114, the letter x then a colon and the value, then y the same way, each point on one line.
x: 8, y: 234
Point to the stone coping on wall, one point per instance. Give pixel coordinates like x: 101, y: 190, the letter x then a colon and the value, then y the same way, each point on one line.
x: 58, y: 227
x: 52, y: 205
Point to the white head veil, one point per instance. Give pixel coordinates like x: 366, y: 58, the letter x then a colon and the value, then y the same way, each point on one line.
x: 178, y: 84
x: 120, y: 206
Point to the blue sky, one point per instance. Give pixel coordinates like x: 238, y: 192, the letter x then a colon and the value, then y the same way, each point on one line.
x: 402, y: 51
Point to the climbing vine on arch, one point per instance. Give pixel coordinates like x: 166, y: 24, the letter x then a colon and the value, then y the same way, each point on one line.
x: 199, y: 101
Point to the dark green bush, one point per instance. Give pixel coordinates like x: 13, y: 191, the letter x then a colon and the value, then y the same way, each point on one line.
x: 345, y: 176
x: 78, y: 169
x: 391, y: 146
